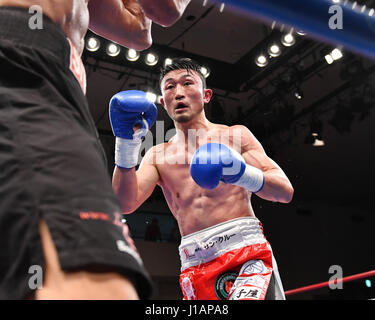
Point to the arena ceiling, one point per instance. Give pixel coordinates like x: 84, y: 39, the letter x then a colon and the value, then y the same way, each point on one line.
x: 334, y: 101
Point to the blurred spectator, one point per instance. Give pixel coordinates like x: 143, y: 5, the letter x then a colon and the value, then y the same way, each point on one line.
x: 153, y: 231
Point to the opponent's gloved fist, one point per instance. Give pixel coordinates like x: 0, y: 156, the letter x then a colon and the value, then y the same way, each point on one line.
x: 128, y: 109
x: 215, y: 162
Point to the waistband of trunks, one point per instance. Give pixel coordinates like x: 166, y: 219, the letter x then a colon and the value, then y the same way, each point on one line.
x: 17, y: 26
x: 210, y: 243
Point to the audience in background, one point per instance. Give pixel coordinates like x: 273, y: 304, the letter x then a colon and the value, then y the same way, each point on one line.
x: 153, y: 231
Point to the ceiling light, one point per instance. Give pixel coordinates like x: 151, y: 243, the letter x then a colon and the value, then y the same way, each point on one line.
x: 132, y: 55
x: 92, y: 44
x: 298, y: 94
x: 336, y: 54
x: 167, y: 62
x: 261, y: 61
x: 315, y: 140
x: 274, y: 50
x: 113, y: 50
x: 368, y: 283
x: 205, y: 71
x: 318, y: 141
x: 151, y: 59
x: 371, y: 12
x: 329, y: 59
x: 288, y: 40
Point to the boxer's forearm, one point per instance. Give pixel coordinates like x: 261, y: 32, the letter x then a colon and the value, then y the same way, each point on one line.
x: 125, y: 186
x: 121, y: 21
x: 277, y: 187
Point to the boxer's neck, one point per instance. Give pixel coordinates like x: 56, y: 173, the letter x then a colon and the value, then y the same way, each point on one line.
x: 186, y: 129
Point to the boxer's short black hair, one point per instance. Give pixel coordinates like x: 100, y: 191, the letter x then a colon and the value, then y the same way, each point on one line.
x: 183, y: 64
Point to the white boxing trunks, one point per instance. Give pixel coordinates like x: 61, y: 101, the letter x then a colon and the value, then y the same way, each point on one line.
x: 229, y: 261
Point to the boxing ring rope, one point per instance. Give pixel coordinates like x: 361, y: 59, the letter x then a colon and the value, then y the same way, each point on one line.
x: 313, y: 16
x: 327, y: 283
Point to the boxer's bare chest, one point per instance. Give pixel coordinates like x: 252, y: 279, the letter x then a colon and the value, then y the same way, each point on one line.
x: 181, y: 192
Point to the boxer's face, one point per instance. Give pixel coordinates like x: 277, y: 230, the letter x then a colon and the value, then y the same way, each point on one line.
x: 183, y: 94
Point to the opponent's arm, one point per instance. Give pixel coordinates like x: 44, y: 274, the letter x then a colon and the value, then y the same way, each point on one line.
x: 277, y: 186
x: 122, y: 21
x: 132, y: 186
x: 164, y: 12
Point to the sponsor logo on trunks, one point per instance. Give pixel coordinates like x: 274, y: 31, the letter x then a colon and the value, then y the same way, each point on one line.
x: 246, y: 293
x: 212, y: 243
x: 254, y: 266
x: 93, y: 216
x: 254, y: 281
x: 224, y: 284
x: 205, y: 247
x: 211, y: 247
x: 187, y: 254
x: 187, y: 287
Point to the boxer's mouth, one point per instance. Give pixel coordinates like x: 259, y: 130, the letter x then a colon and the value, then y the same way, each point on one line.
x: 181, y: 106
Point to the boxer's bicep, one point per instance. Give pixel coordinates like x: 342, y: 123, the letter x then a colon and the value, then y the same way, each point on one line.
x: 253, y: 152
x: 277, y: 186
x: 255, y: 155
x: 121, y: 21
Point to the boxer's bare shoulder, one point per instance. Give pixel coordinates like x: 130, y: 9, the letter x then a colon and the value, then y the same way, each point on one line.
x: 71, y: 15
x: 123, y: 22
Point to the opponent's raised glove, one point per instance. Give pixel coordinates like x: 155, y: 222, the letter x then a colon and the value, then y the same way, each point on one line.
x: 215, y: 162
x: 128, y: 109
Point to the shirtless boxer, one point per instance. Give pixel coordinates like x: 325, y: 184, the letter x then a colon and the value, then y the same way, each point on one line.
x: 223, y: 251
x: 58, y: 211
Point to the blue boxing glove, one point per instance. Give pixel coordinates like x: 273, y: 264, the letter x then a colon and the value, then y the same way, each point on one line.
x: 215, y: 162
x: 126, y: 110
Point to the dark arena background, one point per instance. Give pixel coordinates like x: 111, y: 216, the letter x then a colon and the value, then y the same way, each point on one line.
x: 311, y: 105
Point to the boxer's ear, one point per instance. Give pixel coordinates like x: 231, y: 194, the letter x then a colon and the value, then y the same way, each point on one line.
x: 162, y: 102
x: 207, y: 95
